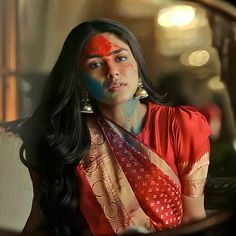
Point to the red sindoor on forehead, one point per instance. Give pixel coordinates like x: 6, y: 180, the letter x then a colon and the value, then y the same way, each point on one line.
x: 98, y: 45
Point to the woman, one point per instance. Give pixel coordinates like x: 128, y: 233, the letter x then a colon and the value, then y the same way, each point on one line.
x: 103, y: 153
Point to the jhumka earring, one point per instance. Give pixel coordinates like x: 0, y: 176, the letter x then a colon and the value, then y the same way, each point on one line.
x: 140, y: 92
x: 86, y: 106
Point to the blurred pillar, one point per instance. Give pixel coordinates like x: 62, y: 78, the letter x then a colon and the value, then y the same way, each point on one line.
x: 8, y: 60
x: 224, y: 26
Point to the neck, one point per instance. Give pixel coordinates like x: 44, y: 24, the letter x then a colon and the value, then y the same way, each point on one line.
x: 129, y: 115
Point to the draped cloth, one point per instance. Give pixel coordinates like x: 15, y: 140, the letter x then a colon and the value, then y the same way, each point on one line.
x: 128, y: 180
x: 124, y: 182
x: 132, y: 184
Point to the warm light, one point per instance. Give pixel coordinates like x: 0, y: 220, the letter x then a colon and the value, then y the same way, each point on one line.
x: 176, y: 16
x: 215, y: 83
x: 198, y: 58
x: 234, y: 144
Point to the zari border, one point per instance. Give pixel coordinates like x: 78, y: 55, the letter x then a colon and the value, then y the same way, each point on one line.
x: 193, y: 181
x: 110, y: 186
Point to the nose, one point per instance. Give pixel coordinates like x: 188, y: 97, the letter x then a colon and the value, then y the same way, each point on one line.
x: 113, y: 76
x: 112, y: 72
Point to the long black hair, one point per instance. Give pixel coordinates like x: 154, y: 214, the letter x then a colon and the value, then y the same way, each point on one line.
x: 56, y: 137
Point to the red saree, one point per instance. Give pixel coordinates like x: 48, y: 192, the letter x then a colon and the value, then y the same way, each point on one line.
x: 123, y: 182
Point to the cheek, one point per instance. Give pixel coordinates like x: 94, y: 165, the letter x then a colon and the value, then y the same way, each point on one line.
x: 94, y: 87
x: 129, y: 68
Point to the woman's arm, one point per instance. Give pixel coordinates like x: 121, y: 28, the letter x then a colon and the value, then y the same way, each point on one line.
x: 191, y: 138
x: 193, y: 208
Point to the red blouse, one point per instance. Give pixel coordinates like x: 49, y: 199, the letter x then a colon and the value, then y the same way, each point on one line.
x: 180, y: 135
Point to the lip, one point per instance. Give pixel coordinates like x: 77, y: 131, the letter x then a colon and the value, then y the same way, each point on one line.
x: 113, y: 87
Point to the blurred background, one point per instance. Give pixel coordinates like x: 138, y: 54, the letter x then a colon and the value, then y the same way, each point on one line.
x: 189, y: 47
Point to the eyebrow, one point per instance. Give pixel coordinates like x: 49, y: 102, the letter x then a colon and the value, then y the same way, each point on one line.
x: 111, y: 53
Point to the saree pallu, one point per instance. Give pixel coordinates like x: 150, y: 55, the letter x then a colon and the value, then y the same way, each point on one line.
x: 123, y: 183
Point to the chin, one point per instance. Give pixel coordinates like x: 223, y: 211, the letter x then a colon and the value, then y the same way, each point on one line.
x: 121, y: 99
x: 117, y: 100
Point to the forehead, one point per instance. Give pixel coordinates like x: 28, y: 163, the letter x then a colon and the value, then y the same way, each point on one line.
x: 103, y: 44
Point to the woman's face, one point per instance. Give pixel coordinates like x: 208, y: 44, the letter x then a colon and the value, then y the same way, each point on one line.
x: 110, y: 72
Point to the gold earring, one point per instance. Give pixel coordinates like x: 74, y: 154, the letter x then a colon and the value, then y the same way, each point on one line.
x: 140, y: 92
x: 86, y: 106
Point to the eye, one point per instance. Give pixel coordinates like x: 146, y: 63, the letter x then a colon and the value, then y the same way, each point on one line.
x: 94, y: 65
x: 121, y: 58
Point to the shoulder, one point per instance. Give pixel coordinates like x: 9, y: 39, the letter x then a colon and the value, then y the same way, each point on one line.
x: 190, y: 132
x: 184, y: 113
x: 160, y: 109
x: 181, y: 120
x: 190, y: 120
x: 174, y: 114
